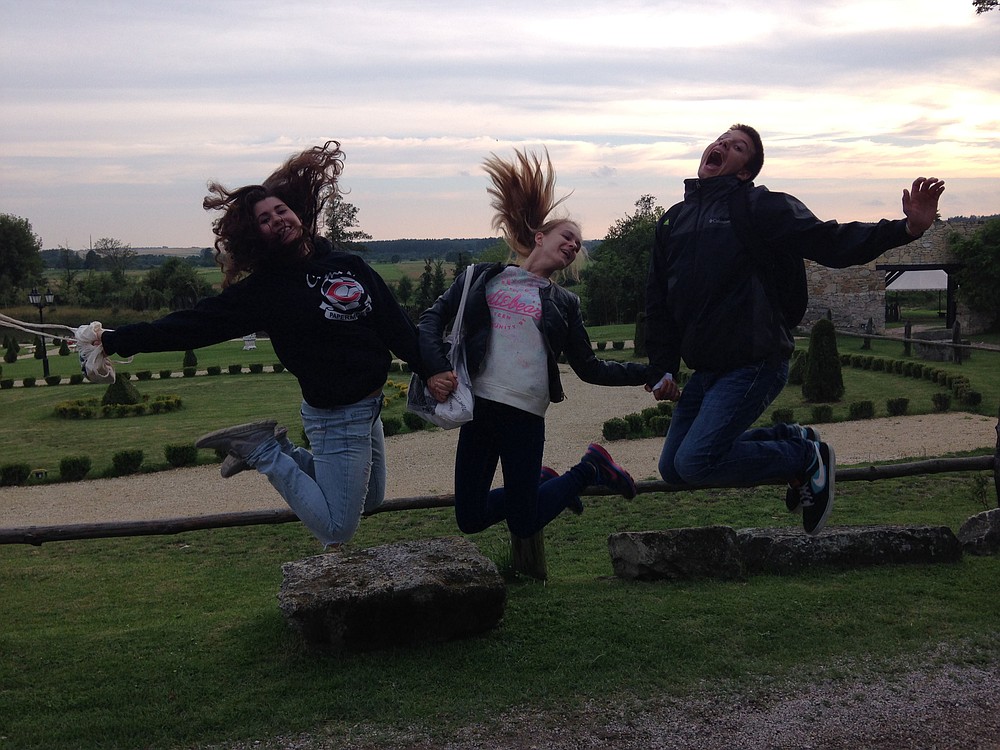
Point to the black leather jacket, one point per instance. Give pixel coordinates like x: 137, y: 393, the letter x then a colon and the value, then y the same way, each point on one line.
x: 704, y: 300
x: 561, y: 325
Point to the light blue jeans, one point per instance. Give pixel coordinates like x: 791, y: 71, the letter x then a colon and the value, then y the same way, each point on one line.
x: 709, y: 442
x: 343, y: 475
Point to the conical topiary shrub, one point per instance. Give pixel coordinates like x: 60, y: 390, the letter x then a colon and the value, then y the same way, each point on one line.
x: 121, y: 392
x: 823, y: 381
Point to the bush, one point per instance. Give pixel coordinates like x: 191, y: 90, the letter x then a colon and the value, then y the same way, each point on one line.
x: 615, y: 429
x: 235, y: 369
x: 823, y: 381
x: 392, y: 426
x: 121, y: 392
x: 413, y: 422
x: 189, y: 372
x: 782, y: 415
x: 190, y: 360
x: 861, y: 410
x: 53, y: 379
x: 144, y: 375
x: 63, y: 348
x: 213, y: 370
x: 127, y: 461
x: 74, y: 468
x: 256, y: 368
x: 659, y: 425
x: 7, y: 383
x: 636, y: 425
x: 76, y: 378
x: 12, y: 475
x: 602, y: 345
x: 278, y: 367
x: 28, y: 382
x: 897, y: 406
x: 822, y: 414
x: 941, y: 401
x: 797, y: 368
x: 972, y: 398
x: 166, y: 374
x: 180, y: 455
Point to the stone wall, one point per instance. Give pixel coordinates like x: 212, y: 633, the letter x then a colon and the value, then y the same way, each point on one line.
x: 853, y: 295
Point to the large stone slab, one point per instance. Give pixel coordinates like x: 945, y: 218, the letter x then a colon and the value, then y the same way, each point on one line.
x: 980, y: 534
x: 723, y: 553
x: 676, y: 554
x: 395, y: 594
x: 790, y: 550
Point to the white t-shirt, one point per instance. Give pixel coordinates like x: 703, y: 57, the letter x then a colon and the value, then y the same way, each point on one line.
x: 515, y: 369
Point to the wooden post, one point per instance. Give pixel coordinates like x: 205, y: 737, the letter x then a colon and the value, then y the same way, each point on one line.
x: 528, y: 556
x: 956, y: 338
x: 907, y: 332
x: 996, y: 461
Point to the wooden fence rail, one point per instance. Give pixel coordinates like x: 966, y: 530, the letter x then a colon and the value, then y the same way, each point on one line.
x: 37, y: 535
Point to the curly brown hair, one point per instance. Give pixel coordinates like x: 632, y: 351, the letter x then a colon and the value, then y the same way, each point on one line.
x: 523, y: 198
x: 304, y: 183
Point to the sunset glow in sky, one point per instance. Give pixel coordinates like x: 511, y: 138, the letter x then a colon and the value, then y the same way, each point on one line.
x: 116, y: 114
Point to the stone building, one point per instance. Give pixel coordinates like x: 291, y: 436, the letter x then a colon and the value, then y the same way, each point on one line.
x: 850, y: 296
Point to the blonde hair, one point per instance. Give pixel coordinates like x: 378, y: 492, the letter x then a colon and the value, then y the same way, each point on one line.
x: 523, y: 199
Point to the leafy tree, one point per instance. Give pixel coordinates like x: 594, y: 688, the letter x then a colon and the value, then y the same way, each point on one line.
x: 615, y: 277
x: 425, y: 286
x: 823, y: 380
x: 20, y: 260
x: 342, y: 226
x: 979, y: 278
x: 495, y: 253
x: 404, y: 290
x: 983, y: 6
x: 438, y: 283
x: 178, y: 284
x: 116, y: 255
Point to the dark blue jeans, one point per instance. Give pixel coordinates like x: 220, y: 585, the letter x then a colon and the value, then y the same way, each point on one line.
x: 515, y: 439
x: 709, y: 441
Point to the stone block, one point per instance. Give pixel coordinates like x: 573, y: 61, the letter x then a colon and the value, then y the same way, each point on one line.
x: 723, y: 553
x: 676, y: 554
x: 980, y: 534
x: 790, y: 550
x: 396, y: 594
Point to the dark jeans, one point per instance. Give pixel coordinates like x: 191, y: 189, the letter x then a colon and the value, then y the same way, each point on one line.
x: 709, y: 441
x: 515, y: 439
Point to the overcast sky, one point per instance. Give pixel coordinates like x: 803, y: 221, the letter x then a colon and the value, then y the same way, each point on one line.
x: 116, y: 114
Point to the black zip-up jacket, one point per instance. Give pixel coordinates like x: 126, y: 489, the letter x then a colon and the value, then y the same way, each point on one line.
x: 561, y: 325
x: 332, y: 320
x: 705, y: 302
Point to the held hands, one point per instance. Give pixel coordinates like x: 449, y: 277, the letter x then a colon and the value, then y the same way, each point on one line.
x: 441, y: 385
x: 920, y: 204
x: 666, y: 389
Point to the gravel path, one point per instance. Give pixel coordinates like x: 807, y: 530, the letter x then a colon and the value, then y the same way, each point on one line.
x: 421, y: 463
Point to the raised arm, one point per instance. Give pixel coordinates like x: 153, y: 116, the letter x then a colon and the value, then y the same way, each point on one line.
x: 920, y: 204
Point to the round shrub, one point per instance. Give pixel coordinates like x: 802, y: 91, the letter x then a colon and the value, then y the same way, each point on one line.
x: 941, y: 401
x: 189, y: 372
x: 392, y: 426
x: 896, y: 407
x: 278, y: 367
x: 214, y: 369
x: 76, y: 378
x: 413, y: 422
x: 53, y: 379
x: 618, y: 345
x: 256, y: 368
x: 659, y: 425
x: 602, y: 345
x: 180, y: 455
x: 822, y: 414
x: 28, y: 382
x: 861, y: 410
x: 235, y: 369
x: 972, y: 398
x: 127, y: 461
x: 165, y: 374
x: 786, y: 416
x: 74, y: 468
x: 144, y: 375
x: 7, y: 383
x: 12, y: 475
x: 636, y: 424
x: 615, y: 429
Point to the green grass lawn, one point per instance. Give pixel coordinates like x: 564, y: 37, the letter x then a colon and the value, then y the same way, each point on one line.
x: 177, y: 641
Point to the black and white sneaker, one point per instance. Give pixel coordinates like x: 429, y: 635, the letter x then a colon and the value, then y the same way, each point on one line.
x: 793, y: 500
x: 816, y: 492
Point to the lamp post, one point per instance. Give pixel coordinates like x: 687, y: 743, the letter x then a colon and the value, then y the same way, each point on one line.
x: 40, y: 301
